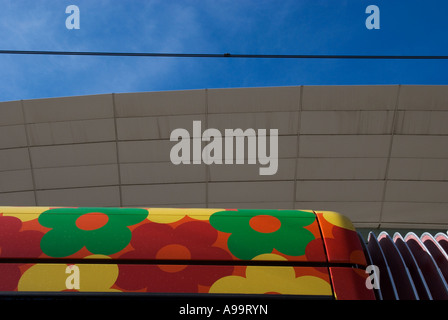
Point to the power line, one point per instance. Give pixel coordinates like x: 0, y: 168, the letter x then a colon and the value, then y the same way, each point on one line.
x: 223, y: 55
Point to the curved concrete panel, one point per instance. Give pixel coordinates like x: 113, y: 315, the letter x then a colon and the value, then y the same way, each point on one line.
x: 378, y: 154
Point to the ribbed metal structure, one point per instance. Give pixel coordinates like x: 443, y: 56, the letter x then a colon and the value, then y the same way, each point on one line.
x: 410, y: 267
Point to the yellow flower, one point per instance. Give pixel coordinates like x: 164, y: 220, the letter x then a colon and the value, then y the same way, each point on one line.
x: 271, y: 279
x: 338, y: 220
x: 170, y: 215
x: 23, y: 213
x: 53, y: 277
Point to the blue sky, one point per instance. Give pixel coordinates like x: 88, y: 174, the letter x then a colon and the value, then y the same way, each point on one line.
x: 407, y: 27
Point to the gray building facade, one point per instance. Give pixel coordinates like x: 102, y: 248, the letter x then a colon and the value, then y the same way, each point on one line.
x: 377, y: 154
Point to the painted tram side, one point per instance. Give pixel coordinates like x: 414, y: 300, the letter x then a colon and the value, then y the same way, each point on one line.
x: 298, y: 253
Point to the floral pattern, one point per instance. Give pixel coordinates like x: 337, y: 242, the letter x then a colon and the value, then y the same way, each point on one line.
x: 177, y: 250
x: 189, y: 241
x: 341, y: 240
x: 269, y: 279
x: 17, y: 243
x: 95, y: 277
x: 248, y: 241
x: 171, y: 215
x: 66, y: 237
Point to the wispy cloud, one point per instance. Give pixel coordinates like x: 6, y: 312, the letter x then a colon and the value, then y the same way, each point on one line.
x: 105, y: 26
x: 211, y: 26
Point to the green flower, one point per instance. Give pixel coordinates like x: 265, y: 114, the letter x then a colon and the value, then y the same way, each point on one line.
x: 100, y: 230
x: 255, y: 232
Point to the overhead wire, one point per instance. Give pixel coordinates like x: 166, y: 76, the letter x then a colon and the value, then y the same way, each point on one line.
x: 223, y: 55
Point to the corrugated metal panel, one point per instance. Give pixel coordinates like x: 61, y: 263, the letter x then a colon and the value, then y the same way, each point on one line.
x: 411, y: 267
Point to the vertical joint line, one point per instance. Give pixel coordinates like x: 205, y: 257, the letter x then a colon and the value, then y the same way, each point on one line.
x: 299, y: 117
x: 207, y: 169
x: 28, y: 146
x: 392, y: 134
x: 116, y: 150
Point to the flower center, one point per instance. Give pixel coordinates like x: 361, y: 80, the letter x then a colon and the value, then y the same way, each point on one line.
x: 92, y: 221
x: 173, y: 252
x: 265, y: 223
